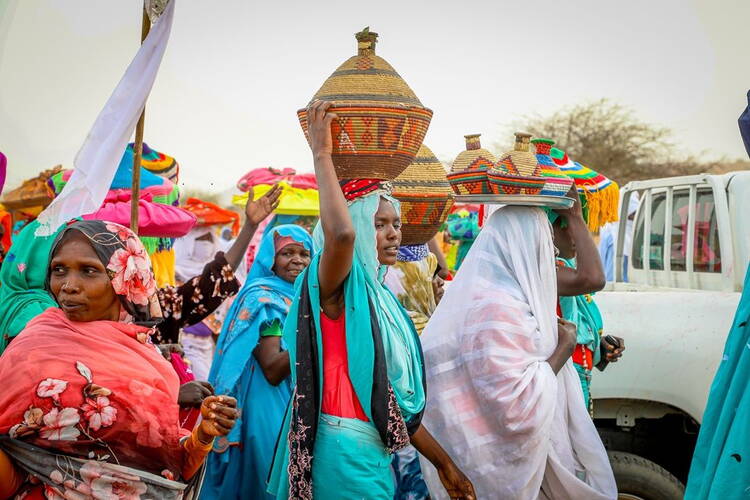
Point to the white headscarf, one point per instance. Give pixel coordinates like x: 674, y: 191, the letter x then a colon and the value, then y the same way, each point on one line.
x: 191, y: 255
x: 494, y: 403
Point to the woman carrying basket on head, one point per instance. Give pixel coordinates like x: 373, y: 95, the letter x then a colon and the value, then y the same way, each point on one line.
x: 356, y: 362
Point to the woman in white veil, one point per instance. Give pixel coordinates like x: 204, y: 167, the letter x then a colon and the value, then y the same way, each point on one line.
x: 503, y: 395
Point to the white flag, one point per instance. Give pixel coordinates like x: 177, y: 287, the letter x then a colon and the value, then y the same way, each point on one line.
x: 97, y: 160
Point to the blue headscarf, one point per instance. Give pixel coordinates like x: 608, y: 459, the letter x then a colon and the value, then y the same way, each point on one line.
x: 239, y: 467
x: 279, y: 220
x: 264, y: 298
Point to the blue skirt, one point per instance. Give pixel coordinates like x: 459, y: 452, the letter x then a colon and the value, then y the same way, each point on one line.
x: 238, y: 466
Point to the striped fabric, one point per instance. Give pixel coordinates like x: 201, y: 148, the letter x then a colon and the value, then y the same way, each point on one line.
x: 557, y: 182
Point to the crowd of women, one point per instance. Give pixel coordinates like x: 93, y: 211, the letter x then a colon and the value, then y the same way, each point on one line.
x: 319, y: 385
x: 339, y: 362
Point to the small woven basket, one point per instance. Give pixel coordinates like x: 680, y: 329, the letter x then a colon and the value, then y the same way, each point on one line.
x: 503, y: 183
x: 381, y: 123
x: 469, y: 170
x: 517, y: 171
x: 474, y: 181
x: 474, y: 157
x: 425, y: 196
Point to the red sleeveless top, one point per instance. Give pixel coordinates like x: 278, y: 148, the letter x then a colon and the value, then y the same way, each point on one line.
x: 339, y: 398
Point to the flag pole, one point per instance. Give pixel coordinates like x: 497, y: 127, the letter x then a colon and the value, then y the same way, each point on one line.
x: 138, y: 146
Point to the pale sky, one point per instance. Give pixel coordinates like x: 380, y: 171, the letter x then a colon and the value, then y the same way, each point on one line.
x: 236, y: 71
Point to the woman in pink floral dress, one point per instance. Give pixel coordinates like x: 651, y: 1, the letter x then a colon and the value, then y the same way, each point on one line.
x: 90, y: 409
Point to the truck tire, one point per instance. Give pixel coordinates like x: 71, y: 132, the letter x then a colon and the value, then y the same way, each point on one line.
x: 641, y: 479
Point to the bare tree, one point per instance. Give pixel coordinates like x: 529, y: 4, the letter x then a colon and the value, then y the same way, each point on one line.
x: 606, y: 136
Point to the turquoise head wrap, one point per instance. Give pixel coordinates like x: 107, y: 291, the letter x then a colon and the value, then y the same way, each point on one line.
x: 400, y: 340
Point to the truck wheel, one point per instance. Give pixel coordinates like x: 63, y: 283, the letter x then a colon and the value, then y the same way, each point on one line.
x: 641, y: 479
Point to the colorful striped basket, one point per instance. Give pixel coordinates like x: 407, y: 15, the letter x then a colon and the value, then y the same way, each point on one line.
x: 599, y: 195
x: 381, y: 123
x: 159, y: 163
x: 469, y: 170
x: 517, y: 171
x: 425, y: 196
x: 558, y: 184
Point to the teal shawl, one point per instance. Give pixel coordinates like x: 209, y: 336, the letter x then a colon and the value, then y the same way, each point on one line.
x: 583, y: 311
x: 720, y: 462
x: 386, y: 366
x: 22, y: 276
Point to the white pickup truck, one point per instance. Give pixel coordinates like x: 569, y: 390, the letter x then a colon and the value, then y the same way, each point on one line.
x: 690, y: 251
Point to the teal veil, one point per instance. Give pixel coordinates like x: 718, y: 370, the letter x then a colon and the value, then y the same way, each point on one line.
x: 400, y: 342
x: 719, y: 468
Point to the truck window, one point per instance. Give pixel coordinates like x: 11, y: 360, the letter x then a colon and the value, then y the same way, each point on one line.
x: 706, y: 250
x: 637, y: 254
x: 680, y: 209
x: 656, y: 254
x: 658, y: 214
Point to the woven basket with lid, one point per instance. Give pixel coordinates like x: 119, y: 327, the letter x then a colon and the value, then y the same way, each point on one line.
x: 381, y: 122
x: 517, y: 171
x: 425, y: 196
x: 469, y: 170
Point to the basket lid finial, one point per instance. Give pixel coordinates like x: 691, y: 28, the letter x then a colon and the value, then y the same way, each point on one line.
x: 522, y: 141
x: 472, y: 141
x: 366, y: 41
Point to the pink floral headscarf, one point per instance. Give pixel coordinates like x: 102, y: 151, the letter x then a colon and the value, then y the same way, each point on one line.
x: 128, y: 266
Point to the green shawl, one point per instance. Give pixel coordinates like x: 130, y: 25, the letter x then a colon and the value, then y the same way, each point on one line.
x: 22, y: 276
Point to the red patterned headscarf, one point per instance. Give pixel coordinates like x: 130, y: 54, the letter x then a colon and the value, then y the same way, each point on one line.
x: 356, y: 188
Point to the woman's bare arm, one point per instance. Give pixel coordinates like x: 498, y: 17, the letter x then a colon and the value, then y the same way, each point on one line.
x: 456, y: 484
x: 273, y: 361
x: 588, y: 276
x: 434, y: 247
x: 338, y: 250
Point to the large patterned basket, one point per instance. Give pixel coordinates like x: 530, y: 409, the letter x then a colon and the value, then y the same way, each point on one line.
x: 381, y: 122
x: 469, y: 170
x: 425, y: 196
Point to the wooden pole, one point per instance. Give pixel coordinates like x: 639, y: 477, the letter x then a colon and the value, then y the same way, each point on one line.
x: 138, y: 146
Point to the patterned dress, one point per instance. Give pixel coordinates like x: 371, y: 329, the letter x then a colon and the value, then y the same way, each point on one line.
x: 193, y: 301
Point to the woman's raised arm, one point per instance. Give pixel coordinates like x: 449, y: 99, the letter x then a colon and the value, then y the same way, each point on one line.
x: 338, y: 250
